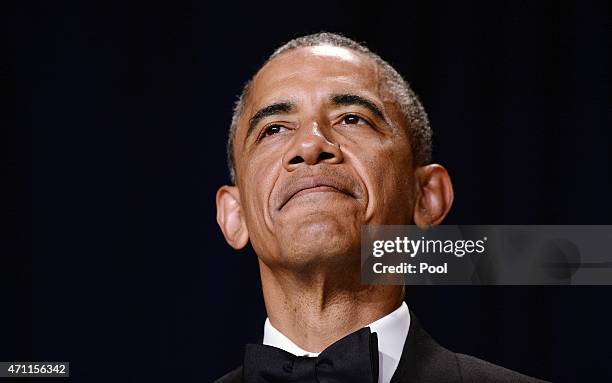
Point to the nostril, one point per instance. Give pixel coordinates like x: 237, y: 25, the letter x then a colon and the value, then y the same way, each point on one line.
x: 296, y: 160
x: 325, y: 156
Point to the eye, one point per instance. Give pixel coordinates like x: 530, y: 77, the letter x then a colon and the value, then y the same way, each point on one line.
x: 353, y: 119
x: 272, y: 129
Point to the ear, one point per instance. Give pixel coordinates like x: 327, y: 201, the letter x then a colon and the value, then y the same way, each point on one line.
x: 230, y: 217
x: 434, y: 195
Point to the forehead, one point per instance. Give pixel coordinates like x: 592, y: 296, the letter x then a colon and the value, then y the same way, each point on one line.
x: 317, y: 70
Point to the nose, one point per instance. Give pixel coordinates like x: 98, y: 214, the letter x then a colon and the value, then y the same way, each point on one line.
x: 310, y: 147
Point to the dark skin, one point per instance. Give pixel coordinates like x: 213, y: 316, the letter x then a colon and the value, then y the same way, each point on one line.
x: 321, y: 149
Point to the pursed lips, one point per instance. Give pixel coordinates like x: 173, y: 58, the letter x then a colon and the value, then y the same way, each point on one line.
x: 315, y: 184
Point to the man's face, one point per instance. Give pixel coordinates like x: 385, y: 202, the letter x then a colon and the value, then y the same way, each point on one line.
x: 320, y: 150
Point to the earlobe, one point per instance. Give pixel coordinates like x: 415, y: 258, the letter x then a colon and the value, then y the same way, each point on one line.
x: 434, y: 195
x: 230, y: 217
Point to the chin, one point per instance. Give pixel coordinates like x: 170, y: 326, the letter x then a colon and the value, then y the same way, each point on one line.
x: 321, y: 239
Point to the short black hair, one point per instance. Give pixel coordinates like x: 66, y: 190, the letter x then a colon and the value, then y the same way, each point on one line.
x: 410, y: 106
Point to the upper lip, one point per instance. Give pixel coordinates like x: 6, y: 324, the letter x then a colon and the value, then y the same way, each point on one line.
x: 311, y: 182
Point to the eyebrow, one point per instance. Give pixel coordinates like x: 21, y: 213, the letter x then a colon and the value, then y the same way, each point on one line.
x: 343, y: 99
x: 352, y: 99
x: 267, y: 111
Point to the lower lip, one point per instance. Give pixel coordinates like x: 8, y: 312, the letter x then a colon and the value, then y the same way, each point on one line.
x: 318, y: 189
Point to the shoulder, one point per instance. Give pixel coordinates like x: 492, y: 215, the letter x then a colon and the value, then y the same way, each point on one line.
x: 234, y: 376
x: 477, y: 370
x: 424, y: 360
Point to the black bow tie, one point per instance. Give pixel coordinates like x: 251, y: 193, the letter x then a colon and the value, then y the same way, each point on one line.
x: 353, y: 359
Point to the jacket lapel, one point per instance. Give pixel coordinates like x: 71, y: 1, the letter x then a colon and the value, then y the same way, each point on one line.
x: 423, y: 360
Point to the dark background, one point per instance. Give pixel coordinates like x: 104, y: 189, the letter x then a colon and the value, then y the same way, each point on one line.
x: 112, y: 259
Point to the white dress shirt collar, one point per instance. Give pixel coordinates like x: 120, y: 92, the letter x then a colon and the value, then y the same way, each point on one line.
x: 391, y: 330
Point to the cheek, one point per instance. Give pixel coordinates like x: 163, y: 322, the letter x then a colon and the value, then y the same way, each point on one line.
x: 389, y: 177
x: 392, y: 171
x: 259, y: 175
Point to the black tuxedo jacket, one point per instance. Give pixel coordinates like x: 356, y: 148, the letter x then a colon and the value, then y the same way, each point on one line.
x: 425, y: 361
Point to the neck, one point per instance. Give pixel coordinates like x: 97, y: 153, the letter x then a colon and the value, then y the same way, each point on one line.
x: 316, y: 310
